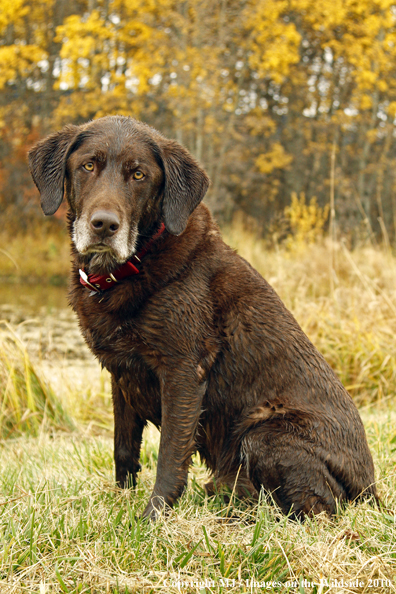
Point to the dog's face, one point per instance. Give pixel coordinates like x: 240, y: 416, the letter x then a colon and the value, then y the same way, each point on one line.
x: 115, y: 183
x: 122, y: 178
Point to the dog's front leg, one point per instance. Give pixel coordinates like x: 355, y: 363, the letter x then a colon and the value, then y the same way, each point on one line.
x: 181, y: 399
x: 128, y: 430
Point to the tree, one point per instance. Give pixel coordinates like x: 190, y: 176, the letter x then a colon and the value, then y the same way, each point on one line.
x: 262, y: 92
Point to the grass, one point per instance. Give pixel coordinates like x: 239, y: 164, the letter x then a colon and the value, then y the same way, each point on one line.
x: 28, y: 404
x: 39, y: 257
x: 344, y: 300
x: 65, y: 528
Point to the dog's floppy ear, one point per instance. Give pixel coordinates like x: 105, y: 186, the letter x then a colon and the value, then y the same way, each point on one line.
x: 185, y: 185
x: 47, y: 162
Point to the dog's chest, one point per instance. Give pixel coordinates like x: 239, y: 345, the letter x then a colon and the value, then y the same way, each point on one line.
x: 120, y: 347
x: 113, y: 340
x: 140, y: 388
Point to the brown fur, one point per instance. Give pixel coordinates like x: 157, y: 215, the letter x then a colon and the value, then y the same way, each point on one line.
x: 198, y: 343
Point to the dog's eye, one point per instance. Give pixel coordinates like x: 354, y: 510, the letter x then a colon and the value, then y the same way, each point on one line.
x: 138, y: 175
x: 89, y: 166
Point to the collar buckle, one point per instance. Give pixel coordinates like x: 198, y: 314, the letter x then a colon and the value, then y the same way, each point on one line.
x: 84, y: 278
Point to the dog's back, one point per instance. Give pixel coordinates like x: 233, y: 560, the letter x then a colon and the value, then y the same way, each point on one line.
x: 297, y: 428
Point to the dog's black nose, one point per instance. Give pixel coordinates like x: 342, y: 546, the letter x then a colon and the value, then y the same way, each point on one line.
x: 104, y: 223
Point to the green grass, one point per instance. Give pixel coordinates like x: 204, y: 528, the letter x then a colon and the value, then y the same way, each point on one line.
x: 64, y: 527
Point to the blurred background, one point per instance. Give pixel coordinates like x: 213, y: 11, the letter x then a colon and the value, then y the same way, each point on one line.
x: 273, y: 96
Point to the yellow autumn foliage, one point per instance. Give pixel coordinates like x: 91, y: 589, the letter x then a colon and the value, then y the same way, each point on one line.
x: 18, y: 61
x: 276, y: 158
x: 11, y: 11
x: 259, y: 90
x: 273, y: 42
x: 306, y: 221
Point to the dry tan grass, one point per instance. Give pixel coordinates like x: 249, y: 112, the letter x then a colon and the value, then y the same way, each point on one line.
x: 39, y: 257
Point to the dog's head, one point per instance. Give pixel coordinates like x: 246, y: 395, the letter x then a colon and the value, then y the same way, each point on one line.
x: 122, y: 178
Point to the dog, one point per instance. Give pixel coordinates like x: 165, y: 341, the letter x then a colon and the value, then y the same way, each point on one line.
x: 195, y: 340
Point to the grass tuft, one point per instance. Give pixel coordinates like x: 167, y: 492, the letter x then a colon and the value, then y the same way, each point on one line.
x: 64, y: 525
x: 28, y: 404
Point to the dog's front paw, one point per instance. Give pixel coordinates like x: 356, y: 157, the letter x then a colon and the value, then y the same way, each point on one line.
x: 126, y: 476
x: 154, y: 508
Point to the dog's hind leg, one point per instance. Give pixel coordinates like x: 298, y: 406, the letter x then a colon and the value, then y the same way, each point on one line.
x: 234, y: 482
x: 289, y: 467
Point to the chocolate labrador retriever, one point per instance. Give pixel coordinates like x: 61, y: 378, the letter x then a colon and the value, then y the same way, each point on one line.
x: 195, y: 340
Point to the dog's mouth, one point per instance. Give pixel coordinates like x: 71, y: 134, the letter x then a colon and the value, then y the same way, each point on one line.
x: 104, y: 255
x: 102, y: 261
x: 97, y: 248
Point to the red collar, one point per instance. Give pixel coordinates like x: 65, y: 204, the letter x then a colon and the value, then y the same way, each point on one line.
x: 101, y: 282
